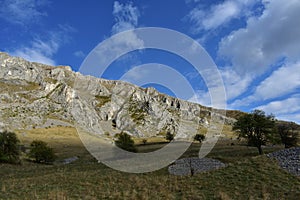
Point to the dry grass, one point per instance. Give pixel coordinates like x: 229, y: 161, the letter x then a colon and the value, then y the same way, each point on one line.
x: 150, y: 140
x: 247, y: 175
x: 64, y: 140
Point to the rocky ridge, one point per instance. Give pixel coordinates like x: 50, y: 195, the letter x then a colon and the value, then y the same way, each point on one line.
x: 36, y: 95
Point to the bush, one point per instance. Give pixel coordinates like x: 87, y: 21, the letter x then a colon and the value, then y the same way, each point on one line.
x: 41, y: 153
x: 124, y: 141
x: 199, y: 137
x: 144, y: 141
x: 9, y: 150
x: 169, y: 136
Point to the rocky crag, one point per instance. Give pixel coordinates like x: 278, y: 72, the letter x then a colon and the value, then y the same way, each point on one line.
x: 34, y: 95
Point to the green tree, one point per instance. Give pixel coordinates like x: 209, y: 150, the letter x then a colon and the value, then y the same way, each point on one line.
x: 41, y: 152
x: 288, y: 133
x: 169, y: 136
x: 9, y: 149
x: 124, y: 141
x: 256, y: 127
x: 199, y: 137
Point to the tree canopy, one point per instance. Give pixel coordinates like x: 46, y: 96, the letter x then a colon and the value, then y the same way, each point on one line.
x: 9, y: 149
x: 124, y: 141
x: 41, y: 152
x: 256, y: 127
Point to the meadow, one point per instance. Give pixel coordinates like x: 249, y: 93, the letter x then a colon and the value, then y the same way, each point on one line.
x: 247, y: 175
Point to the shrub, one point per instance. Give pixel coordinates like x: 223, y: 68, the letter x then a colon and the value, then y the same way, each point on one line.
x: 199, y: 137
x: 41, y: 152
x: 169, y: 136
x: 9, y: 150
x: 124, y: 141
x: 144, y: 141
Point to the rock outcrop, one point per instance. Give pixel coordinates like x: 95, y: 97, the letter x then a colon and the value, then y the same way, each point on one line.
x: 33, y: 95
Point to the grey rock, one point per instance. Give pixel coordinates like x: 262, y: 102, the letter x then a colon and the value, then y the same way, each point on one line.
x: 288, y: 159
x: 32, y: 93
x: 186, y: 166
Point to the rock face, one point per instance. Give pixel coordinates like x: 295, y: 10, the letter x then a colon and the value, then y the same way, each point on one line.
x: 33, y: 95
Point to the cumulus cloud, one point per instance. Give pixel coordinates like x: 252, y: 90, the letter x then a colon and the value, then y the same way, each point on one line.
x: 23, y: 12
x: 266, y: 39
x: 219, y: 14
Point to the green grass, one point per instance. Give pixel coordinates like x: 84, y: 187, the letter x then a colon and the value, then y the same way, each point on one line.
x: 247, y: 175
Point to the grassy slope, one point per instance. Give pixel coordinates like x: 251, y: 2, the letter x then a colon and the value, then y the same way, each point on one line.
x: 247, y: 176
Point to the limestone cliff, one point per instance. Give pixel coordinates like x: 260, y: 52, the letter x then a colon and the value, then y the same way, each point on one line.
x: 36, y: 95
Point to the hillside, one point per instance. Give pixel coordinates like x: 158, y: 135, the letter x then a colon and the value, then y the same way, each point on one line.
x: 34, y: 95
x: 40, y: 102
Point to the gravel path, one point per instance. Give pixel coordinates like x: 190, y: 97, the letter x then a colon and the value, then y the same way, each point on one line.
x: 288, y: 159
x: 186, y: 166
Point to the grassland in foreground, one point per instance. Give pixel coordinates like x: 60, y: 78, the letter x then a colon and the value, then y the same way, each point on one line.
x: 247, y: 175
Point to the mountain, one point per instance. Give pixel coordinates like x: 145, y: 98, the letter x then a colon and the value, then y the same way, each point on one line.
x: 34, y: 95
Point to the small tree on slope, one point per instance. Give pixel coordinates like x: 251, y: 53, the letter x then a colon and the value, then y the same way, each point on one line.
x: 9, y: 150
x: 256, y: 127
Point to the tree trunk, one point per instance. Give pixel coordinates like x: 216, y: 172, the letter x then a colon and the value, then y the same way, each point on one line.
x: 260, y: 150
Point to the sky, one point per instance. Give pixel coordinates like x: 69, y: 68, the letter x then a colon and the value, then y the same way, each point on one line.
x: 254, y: 43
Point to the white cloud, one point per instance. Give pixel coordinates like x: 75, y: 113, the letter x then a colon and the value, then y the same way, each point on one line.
x: 284, y: 81
x: 23, y: 12
x: 290, y: 117
x: 38, y: 51
x: 234, y: 84
x: 288, y: 109
x: 272, y: 36
x: 79, y: 54
x: 286, y: 106
x: 126, y: 17
x: 201, y: 97
x: 219, y: 14
x: 42, y: 48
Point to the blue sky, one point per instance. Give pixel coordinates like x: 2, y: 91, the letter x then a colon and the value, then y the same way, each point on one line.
x: 255, y: 43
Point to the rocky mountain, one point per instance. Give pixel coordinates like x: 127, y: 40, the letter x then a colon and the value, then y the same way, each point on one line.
x: 34, y: 95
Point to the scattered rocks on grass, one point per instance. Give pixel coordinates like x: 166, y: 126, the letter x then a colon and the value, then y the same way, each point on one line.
x: 70, y: 160
x: 288, y: 159
x: 190, y: 166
